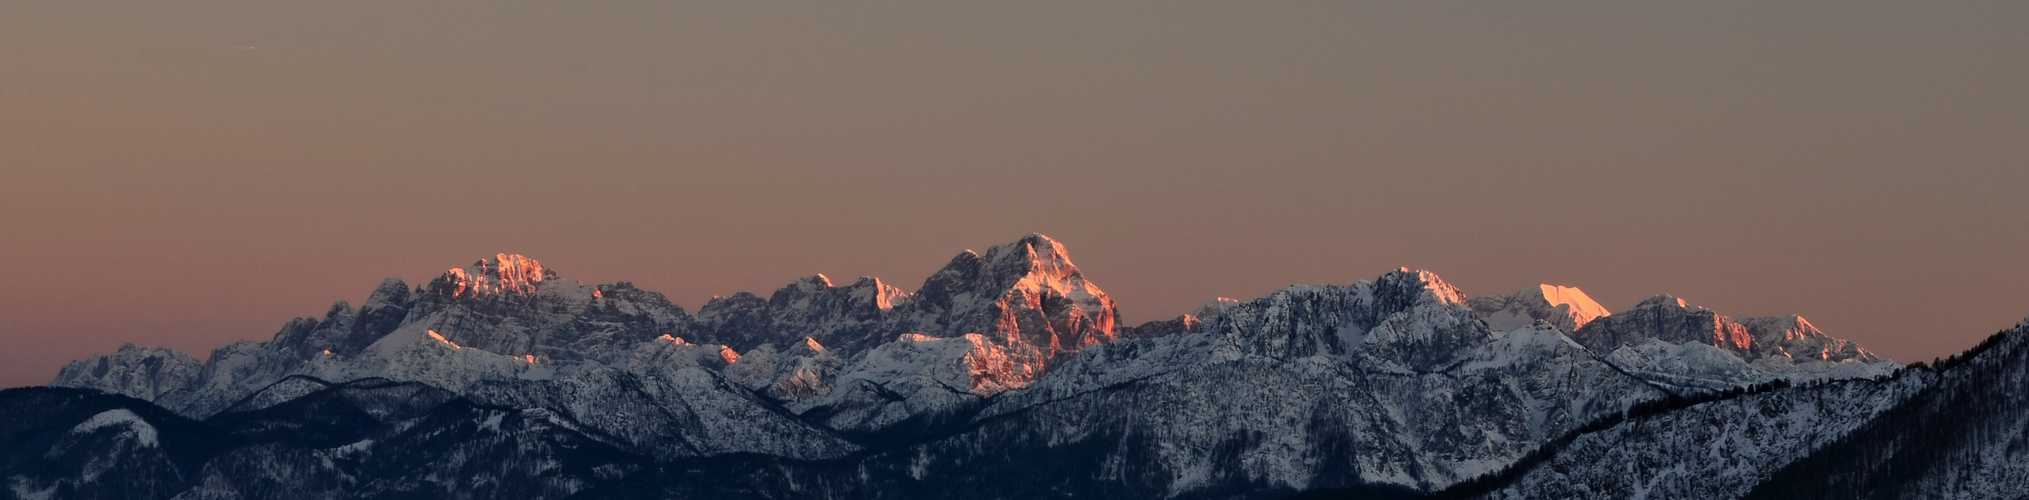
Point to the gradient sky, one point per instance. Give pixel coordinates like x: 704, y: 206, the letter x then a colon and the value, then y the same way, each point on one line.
x: 190, y: 173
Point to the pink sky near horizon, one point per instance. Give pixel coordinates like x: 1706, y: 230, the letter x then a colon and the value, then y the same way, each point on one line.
x: 192, y: 174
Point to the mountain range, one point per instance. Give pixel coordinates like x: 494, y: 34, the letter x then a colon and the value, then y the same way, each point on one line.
x: 1007, y: 374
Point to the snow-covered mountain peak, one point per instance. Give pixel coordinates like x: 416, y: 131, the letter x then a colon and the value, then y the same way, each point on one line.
x: 882, y: 295
x: 1035, y: 254
x: 1424, y: 285
x: 1663, y: 300
x: 1213, y: 308
x: 504, y: 274
x: 864, y: 292
x: 1653, y: 338
x: 1583, y: 308
x: 392, y: 291
x: 1566, y: 308
x: 1020, y: 287
x: 135, y: 371
x: 1795, y: 337
x: 1033, y: 264
x: 339, y: 308
x: 810, y: 283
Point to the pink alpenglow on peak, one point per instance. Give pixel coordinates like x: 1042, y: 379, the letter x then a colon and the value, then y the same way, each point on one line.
x: 1025, y: 301
x: 1428, y: 281
x: 1566, y: 308
x: 1050, y: 273
x: 502, y: 274
x: 1583, y: 308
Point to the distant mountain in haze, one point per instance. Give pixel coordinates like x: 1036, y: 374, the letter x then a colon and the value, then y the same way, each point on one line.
x: 1007, y: 374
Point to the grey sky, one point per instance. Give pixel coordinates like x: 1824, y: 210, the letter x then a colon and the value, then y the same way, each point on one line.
x: 191, y: 173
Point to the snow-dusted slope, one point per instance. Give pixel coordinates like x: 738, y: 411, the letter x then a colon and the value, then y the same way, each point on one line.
x: 1966, y: 435
x: 1716, y: 449
x: 1952, y: 431
x: 800, y: 371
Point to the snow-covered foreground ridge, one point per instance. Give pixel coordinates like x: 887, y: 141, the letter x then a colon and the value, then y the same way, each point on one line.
x: 1006, y: 359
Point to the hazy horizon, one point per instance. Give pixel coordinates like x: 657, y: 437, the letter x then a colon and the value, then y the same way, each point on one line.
x: 192, y: 174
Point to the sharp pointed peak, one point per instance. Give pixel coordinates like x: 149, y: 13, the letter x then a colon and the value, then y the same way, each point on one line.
x: 391, y: 291
x: 1582, y: 307
x: 1037, y: 243
x: 1035, y: 251
x: 392, y: 283
x: 882, y: 295
x: 338, y: 308
x: 1406, y: 279
x: 1012, y: 261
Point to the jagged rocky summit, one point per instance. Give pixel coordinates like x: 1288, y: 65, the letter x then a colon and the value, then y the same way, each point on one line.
x: 503, y: 379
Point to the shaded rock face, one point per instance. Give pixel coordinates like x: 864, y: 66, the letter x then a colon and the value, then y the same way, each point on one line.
x: 808, y: 308
x: 346, y: 331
